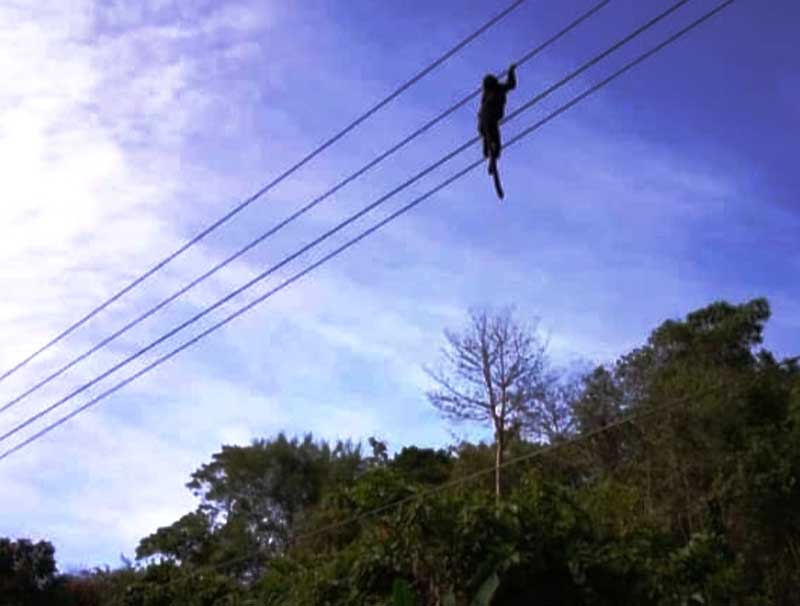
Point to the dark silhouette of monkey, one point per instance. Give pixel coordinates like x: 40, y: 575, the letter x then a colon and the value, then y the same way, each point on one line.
x: 493, y: 105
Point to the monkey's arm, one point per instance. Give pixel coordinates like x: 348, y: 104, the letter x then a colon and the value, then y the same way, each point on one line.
x: 511, y: 81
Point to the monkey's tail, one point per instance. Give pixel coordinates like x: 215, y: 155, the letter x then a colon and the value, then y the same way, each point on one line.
x: 498, y: 187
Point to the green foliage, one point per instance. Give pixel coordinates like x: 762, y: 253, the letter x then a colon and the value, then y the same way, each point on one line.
x: 166, y: 584
x: 486, y: 591
x: 403, y: 594
x: 27, y: 571
x: 423, y: 465
x: 188, y: 540
x: 252, y: 499
x: 697, y: 504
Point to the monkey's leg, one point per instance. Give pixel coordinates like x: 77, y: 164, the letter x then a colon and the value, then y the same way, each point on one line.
x: 494, y: 137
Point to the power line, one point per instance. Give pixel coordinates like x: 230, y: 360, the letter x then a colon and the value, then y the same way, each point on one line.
x: 354, y: 217
x: 244, y: 204
x: 524, y: 133
x: 260, y: 239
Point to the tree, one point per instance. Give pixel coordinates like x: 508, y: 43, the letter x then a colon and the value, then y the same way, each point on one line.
x: 189, y: 540
x: 694, y: 500
x: 423, y: 465
x: 251, y: 500
x: 27, y: 570
x: 495, y: 373
x: 726, y: 444
x: 552, y: 418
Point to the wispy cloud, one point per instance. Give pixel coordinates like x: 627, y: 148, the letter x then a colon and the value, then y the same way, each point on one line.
x: 96, y: 117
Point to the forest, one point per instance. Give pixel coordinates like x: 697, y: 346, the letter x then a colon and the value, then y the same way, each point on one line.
x: 668, y: 476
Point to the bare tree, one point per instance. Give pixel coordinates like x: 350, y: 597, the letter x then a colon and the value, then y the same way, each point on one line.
x: 495, y: 371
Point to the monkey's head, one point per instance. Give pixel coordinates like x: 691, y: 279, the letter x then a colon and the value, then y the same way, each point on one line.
x: 490, y: 82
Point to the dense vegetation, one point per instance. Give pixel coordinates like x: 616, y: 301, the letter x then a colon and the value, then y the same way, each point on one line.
x: 669, y: 477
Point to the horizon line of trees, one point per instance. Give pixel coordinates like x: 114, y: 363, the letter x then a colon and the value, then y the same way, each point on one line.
x: 693, y: 504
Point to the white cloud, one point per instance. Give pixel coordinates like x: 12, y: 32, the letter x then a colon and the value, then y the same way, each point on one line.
x: 96, y: 112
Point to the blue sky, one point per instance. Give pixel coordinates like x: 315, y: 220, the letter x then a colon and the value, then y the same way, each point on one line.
x: 124, y: 130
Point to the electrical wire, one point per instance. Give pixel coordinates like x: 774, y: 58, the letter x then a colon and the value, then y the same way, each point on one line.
x: 264, y: 236
x: 354, y: 217
x: 244, y: 204
x: 524, y: 133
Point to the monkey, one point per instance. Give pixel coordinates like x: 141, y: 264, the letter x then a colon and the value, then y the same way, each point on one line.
x: 492, y: 110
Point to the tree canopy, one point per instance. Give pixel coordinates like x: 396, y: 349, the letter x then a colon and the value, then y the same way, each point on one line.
x: 673, y: 481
